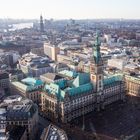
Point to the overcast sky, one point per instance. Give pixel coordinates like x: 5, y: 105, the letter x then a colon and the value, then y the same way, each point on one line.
x: 65, y: 9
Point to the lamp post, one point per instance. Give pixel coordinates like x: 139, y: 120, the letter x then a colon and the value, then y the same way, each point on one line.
x: 83, y: 109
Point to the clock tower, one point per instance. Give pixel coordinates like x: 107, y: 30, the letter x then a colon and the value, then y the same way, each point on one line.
x: 96, y: 67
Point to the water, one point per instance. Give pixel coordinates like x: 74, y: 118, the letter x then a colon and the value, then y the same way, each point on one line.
x: 20, y: 26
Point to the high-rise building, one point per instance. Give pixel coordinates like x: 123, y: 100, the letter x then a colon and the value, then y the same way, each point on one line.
x: 41, y: 24
x: 51, y: 51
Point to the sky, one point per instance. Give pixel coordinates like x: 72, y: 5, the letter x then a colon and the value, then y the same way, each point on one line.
x: 66, y: 9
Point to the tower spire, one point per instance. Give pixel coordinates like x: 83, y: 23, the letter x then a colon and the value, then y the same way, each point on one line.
x: 96, y: 67
x: 41, y: 24
x: 96, y: 50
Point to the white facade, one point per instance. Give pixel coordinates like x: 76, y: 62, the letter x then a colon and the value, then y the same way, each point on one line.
x: 11, y: 99
x: 51, y: 51
x: 117, y: 63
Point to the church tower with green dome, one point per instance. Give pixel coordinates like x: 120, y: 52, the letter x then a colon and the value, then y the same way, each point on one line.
x: 96, y: 67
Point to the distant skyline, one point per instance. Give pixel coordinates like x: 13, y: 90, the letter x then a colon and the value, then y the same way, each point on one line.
x: 66, y: 9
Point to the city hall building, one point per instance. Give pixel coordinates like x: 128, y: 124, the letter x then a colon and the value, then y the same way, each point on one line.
x: 80, y: 93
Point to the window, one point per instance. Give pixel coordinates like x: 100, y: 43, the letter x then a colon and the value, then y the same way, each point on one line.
x: 100, y: 84
x: 100, y: 77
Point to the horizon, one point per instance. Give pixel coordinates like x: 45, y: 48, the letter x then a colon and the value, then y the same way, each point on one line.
x: 70, y: 9
x: 56, y: 19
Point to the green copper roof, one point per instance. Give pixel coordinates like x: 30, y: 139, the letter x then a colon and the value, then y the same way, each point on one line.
x: 96, y: 48
x: 55, y: 90
x: 62, y: 83
x: 32, y: 81
x: 79, y: 90
x: 28, y: 84
x: 20, y: 85
x: 112, y: 79
x: 82, y: 78
x: 81, y: 84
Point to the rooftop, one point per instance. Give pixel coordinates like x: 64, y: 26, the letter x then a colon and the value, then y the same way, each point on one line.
x: 68, y: 73
x: 30, y: 81
x: 54, y: 133
x: 13, y: 98
x: 52, y: 76
x: 4, y: 75
x: 14, y: 72
x: 17, y: 112
x: 34, y: 61
x: 71, y: 87
x: 113, y: 79
x: 28, y: 84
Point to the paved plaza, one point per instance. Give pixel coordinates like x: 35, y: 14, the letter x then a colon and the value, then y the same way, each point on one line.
x: 117, y: 120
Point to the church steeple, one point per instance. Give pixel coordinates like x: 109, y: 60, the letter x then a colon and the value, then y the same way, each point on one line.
x: 41, y: 24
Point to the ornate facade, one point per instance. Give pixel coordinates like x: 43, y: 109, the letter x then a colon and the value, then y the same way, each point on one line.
x: 133, y: 85
x: 84, y: 93
x: 29, y: 88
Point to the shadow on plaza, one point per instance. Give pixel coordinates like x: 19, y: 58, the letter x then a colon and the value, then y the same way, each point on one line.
x: 119, y: 120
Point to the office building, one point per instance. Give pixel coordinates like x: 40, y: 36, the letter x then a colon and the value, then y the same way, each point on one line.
x: 16, y: 111
x: 133, y: 85
x: 51, y: 51
x: 34, y: 65
x: 29, y: 88
x: 4, y: 80
x: 117, y: 63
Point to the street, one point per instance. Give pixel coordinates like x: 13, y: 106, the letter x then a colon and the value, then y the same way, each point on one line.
x: 43, y: 123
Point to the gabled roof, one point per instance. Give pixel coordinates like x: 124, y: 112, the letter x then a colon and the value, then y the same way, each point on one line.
x: 28, y: 84
x: 55, y: 90
x: 79, y: 86
x: 80, y: 90
x: 112, y: 79
x: 53, y: 76
x: 68, y: 73
x: 32, y: 81
x: 62, y: 84
x: 20, y: 85
x: 81, y: 79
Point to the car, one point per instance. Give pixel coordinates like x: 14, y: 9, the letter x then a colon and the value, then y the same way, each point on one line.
x: 55, y: 129
x: 53, y: 132
x: 52, y: 138
x: 55, y: 137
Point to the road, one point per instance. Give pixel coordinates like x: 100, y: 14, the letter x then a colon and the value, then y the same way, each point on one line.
x: 43, y: 123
